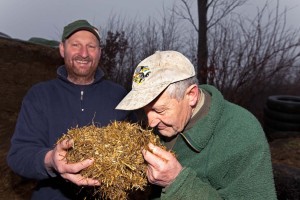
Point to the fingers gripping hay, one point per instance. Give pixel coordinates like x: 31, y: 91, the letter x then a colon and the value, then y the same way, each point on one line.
x: 116, y: 150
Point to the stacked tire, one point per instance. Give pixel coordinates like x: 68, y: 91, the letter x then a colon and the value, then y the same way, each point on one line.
x: 282, y: 116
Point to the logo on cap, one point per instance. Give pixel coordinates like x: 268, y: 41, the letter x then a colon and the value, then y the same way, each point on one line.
x: 141, y: 72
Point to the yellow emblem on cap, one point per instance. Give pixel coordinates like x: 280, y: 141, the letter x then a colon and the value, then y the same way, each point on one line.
x: 140, y: 74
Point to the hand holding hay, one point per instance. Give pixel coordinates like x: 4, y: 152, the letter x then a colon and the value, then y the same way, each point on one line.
x: 55, y: 160
x: 116, y: 150
x: 163, y: 166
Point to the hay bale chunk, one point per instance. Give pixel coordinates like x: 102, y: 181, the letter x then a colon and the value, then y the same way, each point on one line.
x: 116, y: 150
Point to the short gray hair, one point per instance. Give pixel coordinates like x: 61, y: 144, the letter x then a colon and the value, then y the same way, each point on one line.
x: 176, y: 90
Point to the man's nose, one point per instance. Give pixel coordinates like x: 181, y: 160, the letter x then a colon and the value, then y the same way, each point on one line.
x: 152, y: 121
x: 84, y: 52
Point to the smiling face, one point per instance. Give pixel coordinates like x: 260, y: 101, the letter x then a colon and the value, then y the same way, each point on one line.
x: 169, y: 115
x: 81, y: 53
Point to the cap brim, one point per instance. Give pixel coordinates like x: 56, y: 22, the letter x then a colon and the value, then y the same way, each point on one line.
x: 137, y: 99
x: 90, y: 29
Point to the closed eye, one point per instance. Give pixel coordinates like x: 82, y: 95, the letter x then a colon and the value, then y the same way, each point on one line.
x: 159, y: 111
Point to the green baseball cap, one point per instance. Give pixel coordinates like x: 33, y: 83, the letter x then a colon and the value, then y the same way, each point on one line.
x: 77, y: 26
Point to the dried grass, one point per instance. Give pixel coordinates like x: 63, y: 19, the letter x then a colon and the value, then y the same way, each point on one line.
x: 116, y: 150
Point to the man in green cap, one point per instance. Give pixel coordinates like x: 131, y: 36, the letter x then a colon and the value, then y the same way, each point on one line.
x: 79, y: 96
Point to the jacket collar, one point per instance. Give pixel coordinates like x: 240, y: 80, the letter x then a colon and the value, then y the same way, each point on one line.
x: 201, y: 127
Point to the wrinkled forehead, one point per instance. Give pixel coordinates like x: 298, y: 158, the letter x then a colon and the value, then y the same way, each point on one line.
x: 163, y: 101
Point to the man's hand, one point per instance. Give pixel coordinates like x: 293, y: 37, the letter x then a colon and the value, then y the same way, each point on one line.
x: 163, y: 167
x: 55, y: 161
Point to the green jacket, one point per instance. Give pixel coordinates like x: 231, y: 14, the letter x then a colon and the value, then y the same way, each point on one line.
x: 225, y: 155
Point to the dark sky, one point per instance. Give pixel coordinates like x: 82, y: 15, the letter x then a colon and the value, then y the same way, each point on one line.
x: 24, y: 19
x: 46, y: 18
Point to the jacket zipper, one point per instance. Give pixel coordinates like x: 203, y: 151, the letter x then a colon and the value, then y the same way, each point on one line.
x: 81, y: 100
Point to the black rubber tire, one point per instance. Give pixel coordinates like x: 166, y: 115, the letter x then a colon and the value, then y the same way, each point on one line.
x: 281, y: 126
x: 281, y: 116
x: 284, y: 103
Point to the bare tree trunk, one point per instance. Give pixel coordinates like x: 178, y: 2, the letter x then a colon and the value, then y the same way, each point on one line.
x: 202, y: 52
x: 219, y: 9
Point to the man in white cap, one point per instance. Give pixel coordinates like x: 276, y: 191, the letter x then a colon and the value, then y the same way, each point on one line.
x: 221, y: 150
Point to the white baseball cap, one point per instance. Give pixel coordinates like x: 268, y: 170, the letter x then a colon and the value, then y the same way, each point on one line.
x: 153, y: 75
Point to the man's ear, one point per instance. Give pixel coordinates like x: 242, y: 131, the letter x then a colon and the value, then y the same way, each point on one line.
x: 192, y: 93
x: 62, y: 49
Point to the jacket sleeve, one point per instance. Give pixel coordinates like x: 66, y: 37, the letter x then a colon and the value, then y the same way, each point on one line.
x: 29, y: 143
x: 245, y: 173
x: 188, y: 186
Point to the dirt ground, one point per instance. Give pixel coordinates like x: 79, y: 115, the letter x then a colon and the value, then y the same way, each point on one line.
x: 286, y: 151
x: 286, y: 167
x: 23, y: 64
